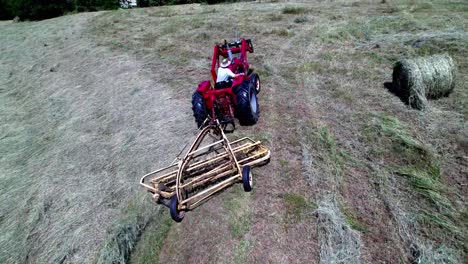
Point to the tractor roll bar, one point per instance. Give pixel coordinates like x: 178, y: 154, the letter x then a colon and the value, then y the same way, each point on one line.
x: 236, y: 44
x: 241, y: 46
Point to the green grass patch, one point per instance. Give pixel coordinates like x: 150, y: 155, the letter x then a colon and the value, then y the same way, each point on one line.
x: 327, y: 142
x: 281, y: 32
x: 352, y: 220
x: 127, y: 230
x: 353, y: 223
x: 390, y: 138
x: 265, y: 71
x: 237, y: 205
x: 264, y: 137
x: 376, y: 57
x: 297, y: 206
x: 300, y: 20
x: 432, y: 220
x: 365, y: 29
x: 283, y: 162
x: 275, y: 17
x: 332, y: 157
x: 426, y: 183
x: 152, y: 240
x: 310, y: 67
x: 404, y: 155
x: 327, y: 56
x: 293, y: 10
x: 452, y: 45
x: 241, y: 252
x: 421, y: 7
x: 342, y: 95
x: 240, y: 226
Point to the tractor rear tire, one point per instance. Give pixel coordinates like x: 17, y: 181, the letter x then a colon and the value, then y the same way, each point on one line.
x: 199, y: 108
x: 255, y: 82
x: 247, y: 110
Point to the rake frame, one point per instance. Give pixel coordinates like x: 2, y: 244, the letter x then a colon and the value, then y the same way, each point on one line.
x: 204, y: 170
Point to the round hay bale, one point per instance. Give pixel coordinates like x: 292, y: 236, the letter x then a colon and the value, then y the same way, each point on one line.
x: 425, y: 77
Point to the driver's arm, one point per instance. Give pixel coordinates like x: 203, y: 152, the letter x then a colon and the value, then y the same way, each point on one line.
x: 230, y: 73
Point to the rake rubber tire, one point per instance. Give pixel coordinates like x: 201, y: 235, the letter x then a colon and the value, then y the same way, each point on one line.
x: 247, y: 110
x: 199, y: 108
x: 176, y: 215
x: 255, y: 82
x: 247, y: 180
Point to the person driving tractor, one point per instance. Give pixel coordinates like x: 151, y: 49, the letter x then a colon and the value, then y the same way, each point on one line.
x: 224, y: 73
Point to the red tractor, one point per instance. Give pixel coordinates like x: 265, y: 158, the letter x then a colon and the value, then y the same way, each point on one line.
x: 234, y: 98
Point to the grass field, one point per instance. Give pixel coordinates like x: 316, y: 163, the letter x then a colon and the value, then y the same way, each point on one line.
x: 90, y: 102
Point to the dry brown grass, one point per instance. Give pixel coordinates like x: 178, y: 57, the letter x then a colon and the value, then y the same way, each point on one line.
x: 74, y: 142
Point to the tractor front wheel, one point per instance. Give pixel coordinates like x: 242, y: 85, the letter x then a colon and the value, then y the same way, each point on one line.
x: 247, y: 110
x: 255, y: 82
x: 199, y: 108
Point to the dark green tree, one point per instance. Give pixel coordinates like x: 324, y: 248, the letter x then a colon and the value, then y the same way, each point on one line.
x: 5, y: 10
x: 39, y: 9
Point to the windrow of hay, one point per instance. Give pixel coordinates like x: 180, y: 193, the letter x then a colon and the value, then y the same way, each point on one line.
x: 426, y: 77
x: 339, y: 243
x: 405, y: 216
x: 128, y: 229
x: 69, y: 165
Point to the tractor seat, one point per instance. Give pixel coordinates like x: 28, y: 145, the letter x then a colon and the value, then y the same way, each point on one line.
x: 223, y: 85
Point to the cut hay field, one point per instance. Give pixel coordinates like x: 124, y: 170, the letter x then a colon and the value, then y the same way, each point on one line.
x: 90, y: 102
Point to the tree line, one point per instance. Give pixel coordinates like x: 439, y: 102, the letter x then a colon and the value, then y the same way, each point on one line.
x: 43, y: 9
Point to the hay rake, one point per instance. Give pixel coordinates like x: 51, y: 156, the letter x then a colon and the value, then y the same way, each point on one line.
x: 205, y: 169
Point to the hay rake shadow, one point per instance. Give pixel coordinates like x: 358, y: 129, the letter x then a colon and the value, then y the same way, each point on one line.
x: 204, y: 170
